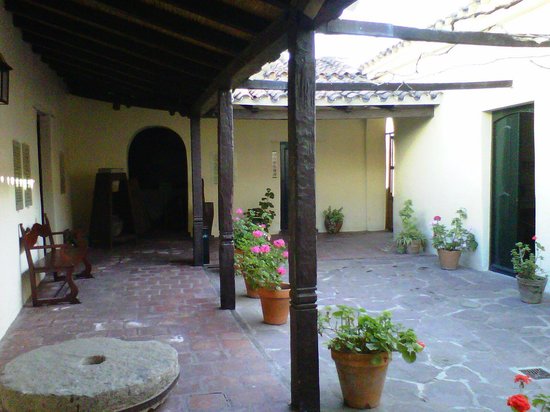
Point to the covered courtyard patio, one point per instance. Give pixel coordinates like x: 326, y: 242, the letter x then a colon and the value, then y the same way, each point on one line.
x: 475, y: 328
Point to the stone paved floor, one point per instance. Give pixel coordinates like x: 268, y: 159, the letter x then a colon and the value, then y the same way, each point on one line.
x: 475, y: 327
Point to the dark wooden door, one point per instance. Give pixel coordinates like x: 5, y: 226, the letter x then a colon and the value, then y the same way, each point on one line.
x: 513, y: 189
x: 284, y: 186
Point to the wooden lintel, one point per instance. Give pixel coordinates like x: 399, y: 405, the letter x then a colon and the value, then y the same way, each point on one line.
x: 327, y: 114
x: 362, y: 28
x: 388, y: 87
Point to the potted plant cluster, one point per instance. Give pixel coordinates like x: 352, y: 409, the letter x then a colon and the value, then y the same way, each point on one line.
x: 451, y: 241
x: 334, y: 219
x: 264, y: 213
x: 410, y: 239
x: 263, y: 267
x: 361, y: 347
x: 529, y: 275
x: 520, y: 402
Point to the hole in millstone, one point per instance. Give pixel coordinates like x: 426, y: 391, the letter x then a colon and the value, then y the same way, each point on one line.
x: 94, y: 360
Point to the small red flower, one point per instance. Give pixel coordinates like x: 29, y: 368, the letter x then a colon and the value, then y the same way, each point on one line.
x: 421, y: 344
x: 534, y: 238
x: 519, y: 402
x: 437, y: 218
x: 522, y: 379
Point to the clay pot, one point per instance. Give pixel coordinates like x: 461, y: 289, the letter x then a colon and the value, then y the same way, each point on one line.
x: 448, y: 259
x: 531, y: 290
x: 333, y: 228
x: 362, y: 377
x: 250, y: 291
x: 415, y: 247
x: 275, y: 304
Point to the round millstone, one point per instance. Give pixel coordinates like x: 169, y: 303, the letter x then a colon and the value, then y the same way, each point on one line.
x: 96, y: 374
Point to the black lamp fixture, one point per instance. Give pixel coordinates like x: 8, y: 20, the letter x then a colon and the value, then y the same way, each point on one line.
x: 4, y: 81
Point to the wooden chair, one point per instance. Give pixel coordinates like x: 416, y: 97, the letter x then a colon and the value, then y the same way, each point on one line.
x: 60, y: 260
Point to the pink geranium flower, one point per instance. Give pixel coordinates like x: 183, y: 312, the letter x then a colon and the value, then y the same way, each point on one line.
x: 257, y: 233
x: 281, y: 270
x: 279, y: 243
x: 262, y: 226
x: 437, y: 218
x: 239, y: 211
x: 534, y: 238
x: 265, y: 249
x: 285, y: 254
x: 255, y: 249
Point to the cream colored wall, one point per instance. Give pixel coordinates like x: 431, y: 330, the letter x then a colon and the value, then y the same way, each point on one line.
x: 32, y: 87
x: 98, y: 137
x: 376, y: 171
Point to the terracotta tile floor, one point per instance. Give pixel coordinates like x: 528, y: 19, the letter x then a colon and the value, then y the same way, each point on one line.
x: 148, y: 291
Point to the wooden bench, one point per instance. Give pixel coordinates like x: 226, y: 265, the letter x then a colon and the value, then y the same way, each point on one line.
x: 60, y: 260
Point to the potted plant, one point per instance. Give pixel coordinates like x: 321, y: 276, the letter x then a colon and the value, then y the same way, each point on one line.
x: 361, y: 347
x: 410, y: 239
x: 529, y: 275
x: 246, y: 234
x: 450, y: 242
x: 264, y: 268
x: 520, y: 402
x: 264, y: 214
x: 334, y: 219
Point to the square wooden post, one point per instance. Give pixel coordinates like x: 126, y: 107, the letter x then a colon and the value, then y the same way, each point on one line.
x: 303, y: 256
x: 197, y: 190
x: 225, y: 199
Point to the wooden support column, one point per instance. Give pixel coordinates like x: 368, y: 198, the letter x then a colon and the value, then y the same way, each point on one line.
x: 197, y: 190
x: 303, y: 257
x: 225, y: 199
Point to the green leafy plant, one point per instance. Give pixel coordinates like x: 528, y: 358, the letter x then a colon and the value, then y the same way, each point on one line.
x: 243, y: 229
x: 525, y: 262
x: 410, y: 231
x: 263, y: 264
x: 264, y: 214
x: 456, y: 237
x: 333, y: 218
x: 353, y: 330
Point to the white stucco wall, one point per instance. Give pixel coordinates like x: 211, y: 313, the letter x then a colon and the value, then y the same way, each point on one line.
x: 98, y: 136
x: 33, y: 86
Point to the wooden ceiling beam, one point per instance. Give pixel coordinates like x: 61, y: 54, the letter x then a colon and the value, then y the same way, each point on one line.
x: 69, y: 45
x: 104, y: 65
x: 81, y: 21
x: 215, y: 12
x: 388, y: 87
x: 169, y: 24
x: 361, y: 28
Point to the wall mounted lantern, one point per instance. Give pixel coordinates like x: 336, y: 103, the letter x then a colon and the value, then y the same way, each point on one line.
x: 4, y: 80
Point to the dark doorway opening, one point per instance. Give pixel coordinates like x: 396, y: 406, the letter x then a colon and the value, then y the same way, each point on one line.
x: 513, y: 185
x: 157, y: 160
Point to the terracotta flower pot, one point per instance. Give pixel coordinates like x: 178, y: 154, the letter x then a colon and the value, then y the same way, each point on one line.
x: 362, y: 377
x: 415, y: 247
x: 531, y: 290
x: 275, y: 304
x: 448, y: 259
x: 250, y: 291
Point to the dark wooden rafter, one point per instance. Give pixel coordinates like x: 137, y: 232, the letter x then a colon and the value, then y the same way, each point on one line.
x: 388, y: 87
x: 352, y: 27
x: 215, y: 13
x: 196, y: 179
x: 305, y: 392
x: 96, y: 26
x: 225, y: 199
x: 263, y: 48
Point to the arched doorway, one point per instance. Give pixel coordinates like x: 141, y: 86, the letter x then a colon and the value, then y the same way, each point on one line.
x: 157, y: 160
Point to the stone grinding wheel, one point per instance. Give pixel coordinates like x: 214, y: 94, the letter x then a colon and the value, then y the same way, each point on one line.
x: 96, y: 374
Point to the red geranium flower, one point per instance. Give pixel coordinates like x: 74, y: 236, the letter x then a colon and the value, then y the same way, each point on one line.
x: 522, y: 379
x: 519, y: 402
x: 437, y: 218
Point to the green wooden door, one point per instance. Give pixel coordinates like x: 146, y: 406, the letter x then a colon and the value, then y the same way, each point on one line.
x: 512, y: 205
